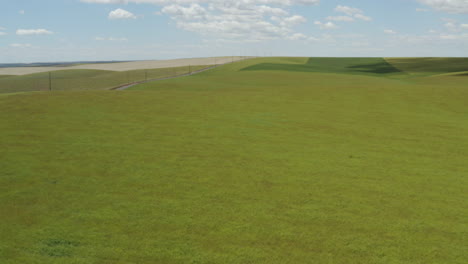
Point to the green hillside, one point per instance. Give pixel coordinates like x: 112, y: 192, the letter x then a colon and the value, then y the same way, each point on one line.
x: 343, y: 161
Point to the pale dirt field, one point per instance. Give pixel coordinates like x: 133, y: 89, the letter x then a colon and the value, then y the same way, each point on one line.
x: 124, y: 66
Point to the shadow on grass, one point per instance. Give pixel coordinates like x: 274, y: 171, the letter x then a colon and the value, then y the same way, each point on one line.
x: 461, y: 75
x: 366, y: 66
x: 378, y: 68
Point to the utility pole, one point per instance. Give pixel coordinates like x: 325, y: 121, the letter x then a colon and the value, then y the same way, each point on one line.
x: 50, y: 81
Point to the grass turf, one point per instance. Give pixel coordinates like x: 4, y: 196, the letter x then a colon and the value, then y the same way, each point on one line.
x: 235, y: 166
x: 85, y: 79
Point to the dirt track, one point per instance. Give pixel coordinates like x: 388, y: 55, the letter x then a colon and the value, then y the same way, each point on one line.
x: 124, y: 66
x: 126, y: 86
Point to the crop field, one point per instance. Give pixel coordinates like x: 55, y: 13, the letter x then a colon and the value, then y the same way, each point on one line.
x: 267, y: 160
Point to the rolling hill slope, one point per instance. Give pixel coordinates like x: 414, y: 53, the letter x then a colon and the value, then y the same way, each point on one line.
x: 245, y: 163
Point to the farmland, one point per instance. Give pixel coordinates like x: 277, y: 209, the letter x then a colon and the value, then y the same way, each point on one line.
x: 267, y: 160
x: 69, y: 80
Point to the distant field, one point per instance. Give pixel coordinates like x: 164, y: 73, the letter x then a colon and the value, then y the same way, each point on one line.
x: 124, y: 66
x: 430, y: 65
x: 85, y: 79
x: 268, y: 160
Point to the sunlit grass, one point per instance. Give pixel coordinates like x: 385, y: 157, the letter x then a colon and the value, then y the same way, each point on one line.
x: 232, y: 166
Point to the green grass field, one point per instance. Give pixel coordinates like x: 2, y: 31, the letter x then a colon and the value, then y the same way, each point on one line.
x: 66, y: 80
x: 366, y: 66
x: 268, y: 160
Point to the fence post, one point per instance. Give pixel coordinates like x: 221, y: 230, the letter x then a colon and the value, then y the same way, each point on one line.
x: 50, y: 81
x: 146, y: 75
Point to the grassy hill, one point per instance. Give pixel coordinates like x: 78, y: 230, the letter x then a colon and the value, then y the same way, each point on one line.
x: 252, y: 162
x: 85, y: 79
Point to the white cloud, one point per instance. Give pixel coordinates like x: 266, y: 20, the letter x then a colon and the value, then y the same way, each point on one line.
x: 297, y: 36
x: 293, y: 20
x: 267, y: 10
x: 451, y: 37
x: 325, y: 38
x: 110, y: 39
x: 117, y: 39
x: 431, y: 39
x: 21, y: 12
x: 449, y: 20
x: 121, y: 14
x: 327, y: 25
x: 449, y: 6
x: 460, y: 36
x: 235, y: 20
x: 2, y: 33
x: 390, y: 31
x: 17, y: 45
x: 41, y: 31
x: 341, y: 18
x: 422, y: 10
x: 363, y: 17
x: 351, y: 12
x: 451, y: 26
x: 193, y: 12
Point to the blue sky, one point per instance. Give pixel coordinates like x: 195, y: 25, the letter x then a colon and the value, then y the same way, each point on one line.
x: 71, y: 30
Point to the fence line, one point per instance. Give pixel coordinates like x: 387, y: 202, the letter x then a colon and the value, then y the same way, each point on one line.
x: 128, y: 85
x: 89, y: 80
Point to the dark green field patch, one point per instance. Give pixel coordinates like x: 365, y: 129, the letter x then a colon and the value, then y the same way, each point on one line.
x: 332, y: 65
x: 430, y: 65
x: 57, y: 248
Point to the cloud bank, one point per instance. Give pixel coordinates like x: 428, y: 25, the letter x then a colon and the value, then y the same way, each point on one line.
x: 121, y: 14
x: 41, y: 31
x: 449, y: 6
x: 245, y: 20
